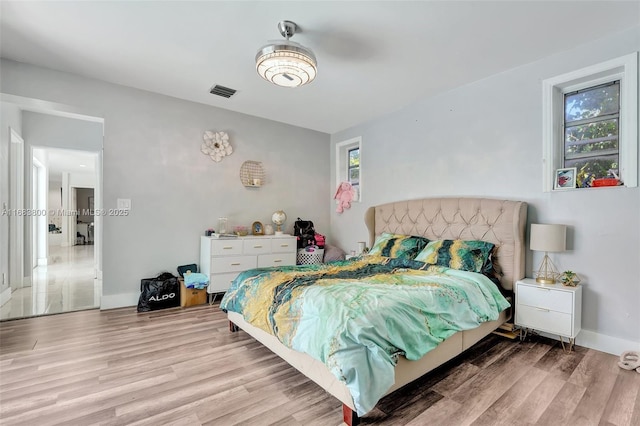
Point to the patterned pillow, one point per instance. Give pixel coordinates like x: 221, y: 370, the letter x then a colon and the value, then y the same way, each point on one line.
x: 471, y: 256
x: 398, y: 246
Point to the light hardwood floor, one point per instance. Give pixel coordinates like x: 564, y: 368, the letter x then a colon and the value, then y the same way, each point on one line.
x: 184, y: 367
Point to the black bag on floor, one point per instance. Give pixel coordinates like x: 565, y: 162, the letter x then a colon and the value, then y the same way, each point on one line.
x: 159, y: 293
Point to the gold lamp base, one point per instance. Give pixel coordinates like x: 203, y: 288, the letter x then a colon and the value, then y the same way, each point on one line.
x: 545, y: 280
x: 547, y: 273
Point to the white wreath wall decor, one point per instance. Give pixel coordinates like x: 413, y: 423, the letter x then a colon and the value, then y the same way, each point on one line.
x: 216, y: 145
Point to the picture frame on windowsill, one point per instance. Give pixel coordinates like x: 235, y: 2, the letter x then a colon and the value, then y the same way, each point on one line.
x: 565, y: 178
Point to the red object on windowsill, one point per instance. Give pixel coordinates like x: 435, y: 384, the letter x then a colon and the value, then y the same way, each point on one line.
x: 605, y: 182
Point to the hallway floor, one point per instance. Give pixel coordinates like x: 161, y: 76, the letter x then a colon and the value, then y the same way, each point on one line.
x: 66, y: 284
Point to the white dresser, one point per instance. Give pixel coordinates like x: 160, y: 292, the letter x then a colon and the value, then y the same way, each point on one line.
x: 552, y: 308
x: 222, y: 260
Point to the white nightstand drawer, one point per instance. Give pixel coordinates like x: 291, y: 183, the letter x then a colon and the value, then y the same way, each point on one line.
x: 221, y: 282
x: 276, y: 259
x: 544, y: 320
x: 233, y: 263
x: 543, y: 297
x: 226, y: 247
x: 257, y: 246
x: 284, y: 245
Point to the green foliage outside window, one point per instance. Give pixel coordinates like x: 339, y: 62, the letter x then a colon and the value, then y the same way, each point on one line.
x: 591, y: 132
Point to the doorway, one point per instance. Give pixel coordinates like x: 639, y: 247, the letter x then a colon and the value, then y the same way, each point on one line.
x: 61, y: 239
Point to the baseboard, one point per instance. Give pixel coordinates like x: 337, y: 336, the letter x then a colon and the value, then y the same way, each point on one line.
x: 121, y: 300
x: 5, y: 296
x: 601, y: 342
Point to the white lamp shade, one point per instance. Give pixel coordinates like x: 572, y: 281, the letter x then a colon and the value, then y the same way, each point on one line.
x: 286, y: 64
x: 548, y: 237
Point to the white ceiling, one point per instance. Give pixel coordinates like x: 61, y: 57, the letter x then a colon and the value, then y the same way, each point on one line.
x: 373, y: 57
x: 67, y: 160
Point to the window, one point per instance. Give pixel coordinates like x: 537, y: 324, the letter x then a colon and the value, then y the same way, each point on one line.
x: 590, y: 123
x: 591, y: 119
x: 353, y: 168
x: 348, y: 165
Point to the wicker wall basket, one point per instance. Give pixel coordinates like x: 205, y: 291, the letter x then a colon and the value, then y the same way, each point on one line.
x: 252, y: 174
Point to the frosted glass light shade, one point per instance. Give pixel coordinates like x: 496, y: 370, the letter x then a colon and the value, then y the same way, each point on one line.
x: 286, y: 64
x: 548, y: 237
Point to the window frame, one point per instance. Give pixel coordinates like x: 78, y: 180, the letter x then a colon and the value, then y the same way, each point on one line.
x: 342, y: 164
x: 625, y: 69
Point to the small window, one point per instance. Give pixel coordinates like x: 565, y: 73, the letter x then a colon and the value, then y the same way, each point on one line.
x: 591, y: 132
x: 353, y: 169
x: 590, y: 123
x: 348, y: 165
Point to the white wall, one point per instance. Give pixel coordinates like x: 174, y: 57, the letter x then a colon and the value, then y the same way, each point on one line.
x: 485, y: 139
x: 52, y: 131
x: 152, y: 156
x: 10, y: 117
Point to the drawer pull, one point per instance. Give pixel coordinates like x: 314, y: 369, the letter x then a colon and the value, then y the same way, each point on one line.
x: 227, y: 248
x: 235, y: 264
x: 542, y: 309
x: 277, y: 261
x: 257, y: 246
x: 284, y: 245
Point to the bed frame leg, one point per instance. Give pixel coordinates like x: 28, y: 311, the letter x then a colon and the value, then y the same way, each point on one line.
x: 232, y: 327
x: 349, y: 416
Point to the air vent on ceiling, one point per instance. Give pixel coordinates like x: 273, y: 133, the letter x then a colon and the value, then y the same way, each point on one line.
x: 225, y: 92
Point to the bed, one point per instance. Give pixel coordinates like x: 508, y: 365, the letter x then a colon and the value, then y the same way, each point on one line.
x: 499, y: 223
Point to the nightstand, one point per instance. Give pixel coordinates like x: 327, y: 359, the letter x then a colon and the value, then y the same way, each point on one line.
x: 551, y: 308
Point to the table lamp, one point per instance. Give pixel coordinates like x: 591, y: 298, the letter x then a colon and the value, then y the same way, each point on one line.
x: 547, y: 238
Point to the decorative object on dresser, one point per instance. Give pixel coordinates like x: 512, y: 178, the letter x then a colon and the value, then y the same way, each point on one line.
x: 554, y: 309
x: 252, y: 174
x: 570, y: 278
x: 223, y: 259
x: 547, y: 238
x: 240, y: 230
x: 278, y: 218
x: 216, y: 145
x: 257, y: 229
x: 222, y: 225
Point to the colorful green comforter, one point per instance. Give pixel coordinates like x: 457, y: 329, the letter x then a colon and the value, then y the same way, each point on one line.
x: 357, y: 316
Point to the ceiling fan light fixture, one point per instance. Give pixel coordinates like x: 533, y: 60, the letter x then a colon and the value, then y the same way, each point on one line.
x: 286, y: 63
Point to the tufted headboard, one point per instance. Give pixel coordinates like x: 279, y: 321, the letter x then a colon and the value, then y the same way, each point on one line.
x: 500, y: 222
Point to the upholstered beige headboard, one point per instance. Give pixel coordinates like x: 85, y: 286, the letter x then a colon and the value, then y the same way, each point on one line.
x: 500, y: 222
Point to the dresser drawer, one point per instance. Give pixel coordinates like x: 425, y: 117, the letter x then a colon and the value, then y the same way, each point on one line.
x: 221, y: 282
x: 233, y: 263
x: 284, y: 245
x: 276, y: 259
x: 226, y: 247
x: 547, y: 298
x: 544, y: 320
x: 257, y: 246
